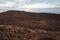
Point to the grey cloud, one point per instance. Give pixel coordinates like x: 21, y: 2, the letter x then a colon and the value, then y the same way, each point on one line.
x: 52, y: 10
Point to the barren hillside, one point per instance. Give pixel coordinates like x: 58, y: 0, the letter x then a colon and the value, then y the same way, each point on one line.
x: 14, y: 32
x: 44, y: 21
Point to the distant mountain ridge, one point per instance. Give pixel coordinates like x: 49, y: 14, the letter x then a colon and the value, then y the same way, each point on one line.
x: 45, y: 21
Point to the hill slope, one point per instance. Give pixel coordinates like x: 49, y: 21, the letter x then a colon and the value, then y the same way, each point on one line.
x: 14, y: 32
x: 44, y: 21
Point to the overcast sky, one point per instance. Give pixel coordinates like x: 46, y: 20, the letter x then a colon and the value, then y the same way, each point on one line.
x: 30, y: 5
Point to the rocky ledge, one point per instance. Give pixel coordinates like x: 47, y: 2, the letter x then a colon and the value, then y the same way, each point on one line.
x: 14, y: 32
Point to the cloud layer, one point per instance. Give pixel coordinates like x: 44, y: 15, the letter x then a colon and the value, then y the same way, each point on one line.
x: 7, y: 4
x: 28, y: 5
x: 38, y: 5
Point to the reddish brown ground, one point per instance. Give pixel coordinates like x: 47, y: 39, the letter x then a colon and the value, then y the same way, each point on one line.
x: 44, y: 21
x: 14, y: 32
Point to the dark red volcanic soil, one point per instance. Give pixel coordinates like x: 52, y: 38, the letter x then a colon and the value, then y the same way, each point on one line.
x: 45, y: 21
